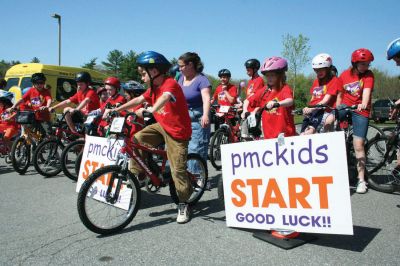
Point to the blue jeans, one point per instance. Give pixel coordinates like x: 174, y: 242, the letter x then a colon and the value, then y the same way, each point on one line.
x: 200, y: 136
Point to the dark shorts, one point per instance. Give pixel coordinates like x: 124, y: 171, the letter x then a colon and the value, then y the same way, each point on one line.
x: 312, y: 120
x: 77, y: 117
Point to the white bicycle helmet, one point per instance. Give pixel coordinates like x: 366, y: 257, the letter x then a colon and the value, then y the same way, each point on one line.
x: 322, y: 61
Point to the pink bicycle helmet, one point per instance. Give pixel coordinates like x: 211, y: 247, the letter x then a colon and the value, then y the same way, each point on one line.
x: 274, y: 63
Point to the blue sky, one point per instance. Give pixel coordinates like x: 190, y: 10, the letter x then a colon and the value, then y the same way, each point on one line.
x: 224, y: 33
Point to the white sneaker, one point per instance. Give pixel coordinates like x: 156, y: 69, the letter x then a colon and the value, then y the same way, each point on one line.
x: 361, y: 187
x: 183, y: 213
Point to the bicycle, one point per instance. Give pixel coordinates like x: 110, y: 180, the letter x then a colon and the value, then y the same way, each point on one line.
x: 373, y: 131
x: 5, y: 148
x: 23, y: 146
x: 120, y: 186
x: 381, y: 165
x: 71, y: 155
x: 228, y: 132
x: 46, y: 158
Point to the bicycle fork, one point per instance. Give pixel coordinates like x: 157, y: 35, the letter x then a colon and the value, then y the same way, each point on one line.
x: 122, y: 160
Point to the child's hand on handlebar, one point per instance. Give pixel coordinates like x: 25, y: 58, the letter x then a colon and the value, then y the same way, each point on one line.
x: 361, y: 107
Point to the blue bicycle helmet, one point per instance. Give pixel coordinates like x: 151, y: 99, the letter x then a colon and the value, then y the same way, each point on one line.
x: 151, y: 59
x: 393, y: 49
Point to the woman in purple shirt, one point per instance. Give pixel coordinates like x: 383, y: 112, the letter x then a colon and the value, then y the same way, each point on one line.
x: 196, y: 88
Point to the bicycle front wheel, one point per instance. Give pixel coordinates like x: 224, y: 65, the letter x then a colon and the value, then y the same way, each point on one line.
x: 69, y: 157
x: 198, y: 174
x: 219, y: 138
x: 47, y: 158
x: 380, y: 165
x: 108, y: 201
x: 20, y: 155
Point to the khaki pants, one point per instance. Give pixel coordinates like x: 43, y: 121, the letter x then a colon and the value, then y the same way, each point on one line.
x: 177, y: 151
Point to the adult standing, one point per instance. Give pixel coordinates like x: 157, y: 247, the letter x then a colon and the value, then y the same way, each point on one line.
x: 197, y: 90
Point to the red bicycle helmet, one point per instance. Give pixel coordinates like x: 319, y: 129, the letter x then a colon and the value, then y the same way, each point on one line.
x: 113, y: 81
x: 100, y: 90
x: 362, y: 55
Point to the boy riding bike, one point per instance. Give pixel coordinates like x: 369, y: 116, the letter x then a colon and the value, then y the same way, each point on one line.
x: 85, y: 98
x: 173, y: 122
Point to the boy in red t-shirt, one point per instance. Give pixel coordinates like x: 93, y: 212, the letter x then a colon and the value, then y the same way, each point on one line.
x: 255, y: 84
x: 85, y: 98
x: 225, y: 93
x: 38, y: 98
x: 173, y: 125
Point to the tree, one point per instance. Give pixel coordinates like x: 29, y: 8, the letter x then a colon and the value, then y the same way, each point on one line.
x: 295, y: 50
x: 91, y: 64
x: 35, y: 60
x: 115, y: 59
x: 129, y: 67
x: 4, y: 66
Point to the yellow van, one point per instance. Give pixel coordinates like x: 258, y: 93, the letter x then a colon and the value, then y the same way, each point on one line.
x: 60, y: 78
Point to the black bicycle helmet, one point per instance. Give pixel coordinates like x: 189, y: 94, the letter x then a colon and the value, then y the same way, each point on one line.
x: 253, y: 64
x: 38, y: 77
x: 134, y: 87
x: 224, y: 72
x: 83, y: 77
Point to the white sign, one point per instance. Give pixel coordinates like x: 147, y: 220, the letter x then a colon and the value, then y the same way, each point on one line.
x: 301, y: 185
x: 97, y: 153
x: 224, y: 108
x: 117, y: 124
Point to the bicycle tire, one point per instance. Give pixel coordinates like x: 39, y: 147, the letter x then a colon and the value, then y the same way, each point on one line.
x: 374, y: 132
x: 78, y: 163
x: 69, y: 156
x: 220, y: 137
x: 379, y: 166
x: 220, y: 192
x: 20, y: 151
x: 47, y: 161
x: 197, y: 168
x: 90, y: 218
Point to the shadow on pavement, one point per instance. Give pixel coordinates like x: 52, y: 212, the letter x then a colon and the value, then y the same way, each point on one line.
x: 357, y: 242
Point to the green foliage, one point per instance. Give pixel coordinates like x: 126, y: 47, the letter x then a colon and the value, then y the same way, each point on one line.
x: 295, y: 50
x: 114, y: 61
x: 385, y: 86
x: 129, y: 69
x: 35, y: 60
x: 302, y: 91
x: 91, y: 64
x: 4, y: 66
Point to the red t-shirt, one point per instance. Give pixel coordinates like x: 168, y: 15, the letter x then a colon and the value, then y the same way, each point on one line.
x: 252, y: 87
x: 113, y: 101
x: 4, y: 115
x: 34, y: 99
x: 277, y: 120
x: 93, y: 104
x: 353, y: 88
x: 174, y: 115
x: 219, y: 94
x: 319, y: 90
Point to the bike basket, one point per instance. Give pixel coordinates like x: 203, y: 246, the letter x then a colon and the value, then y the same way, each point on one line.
x: 117, y: 125
x: 25, y: 117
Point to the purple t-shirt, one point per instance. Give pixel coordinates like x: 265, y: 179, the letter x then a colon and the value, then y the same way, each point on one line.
x: 193, y: 91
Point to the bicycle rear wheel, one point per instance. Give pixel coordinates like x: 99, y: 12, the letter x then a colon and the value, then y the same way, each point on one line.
x: 219, y: 138
x: 47, y: 158
x: 198, y: 174
x: 69, y: 157
x: 97, y: 208
x: 380, y: 165
x: 20, y: 155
